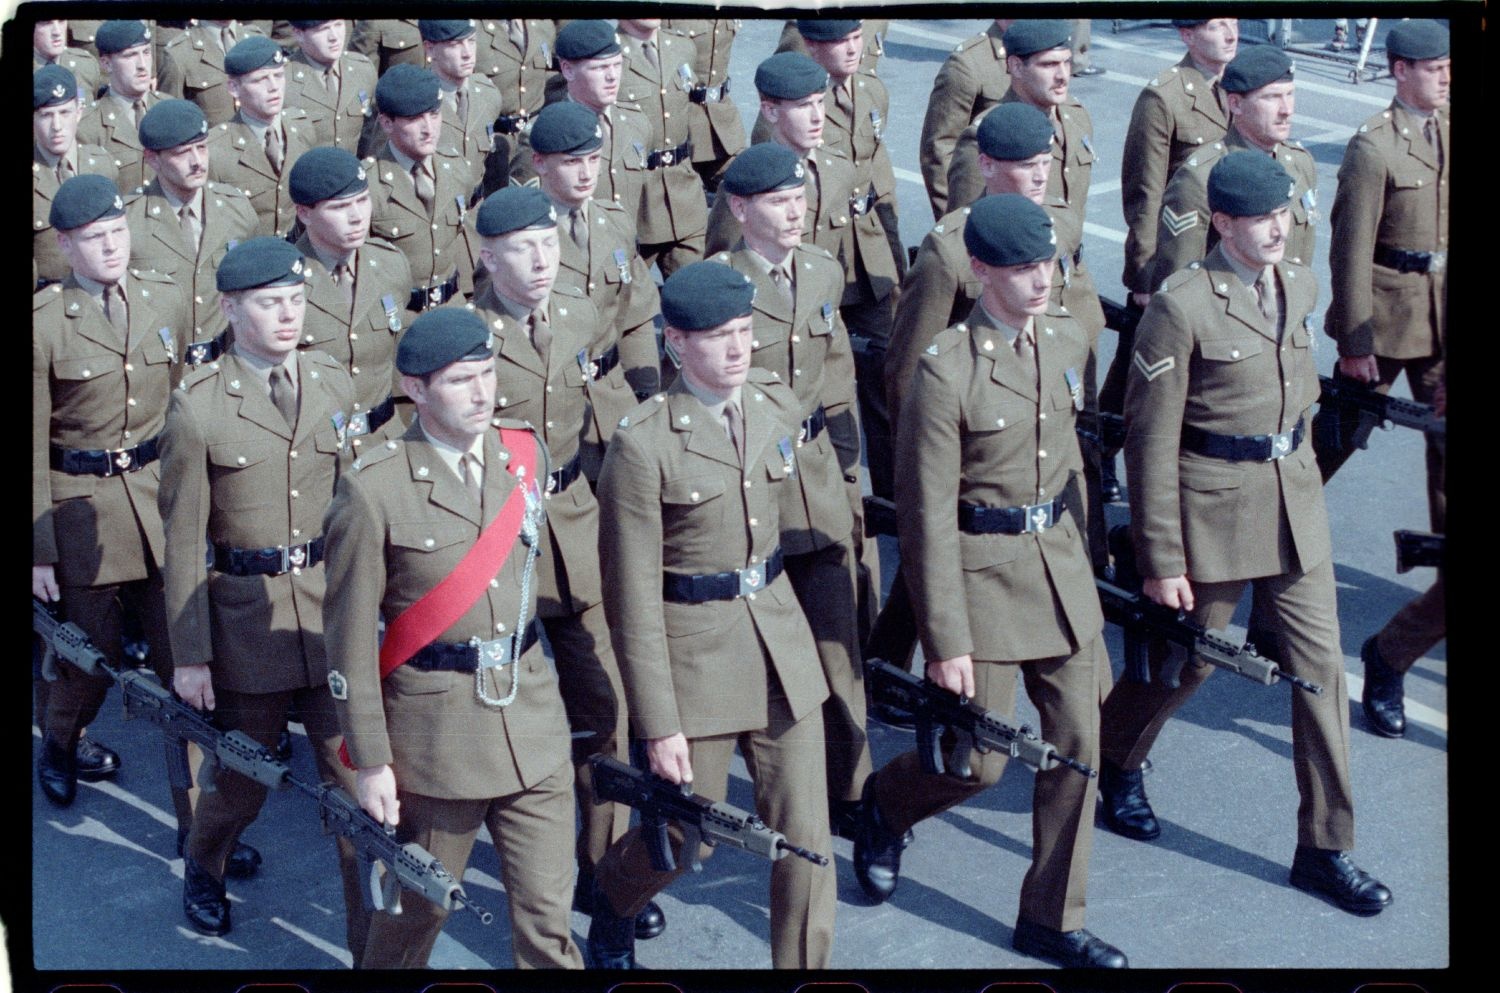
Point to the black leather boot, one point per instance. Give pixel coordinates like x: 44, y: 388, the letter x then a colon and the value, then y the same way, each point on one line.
x: 877, y: 849
x: 1123, y: 804
x: 611, y: 940
x: 57, y: 773
x: 95, y: 761
x: 204, y: 901
x: 1384, y: 697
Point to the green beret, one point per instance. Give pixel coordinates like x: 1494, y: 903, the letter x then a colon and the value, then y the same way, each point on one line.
x: 326, y: 173
x: 1189, y: 24
x: 441, y: 337
x: 51, y: 85
x: 252, y: 53
x: 1014, y: 131
x: 1256, y: 66
x: 407, y: 91
x: 587, y: 40
x: 260, y: 262
x: 515, y: 208
x: 826, y: 29
x: 763, y: 168
x: 1416, y: 40
x: 703, y: 295
x: 449, y: 30
x: 116, y: 36
x: 171, y: 123
x: 1007, y: 229
x: 789, y: 76
x: 566, y: 128
x: 305, y: 25
x: 1025, y: 38
x: 1248, y: 183
x: 83, y: 200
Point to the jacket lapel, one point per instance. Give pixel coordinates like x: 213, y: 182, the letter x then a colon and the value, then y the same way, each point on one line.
x: 1238, y: 299
x: 252, y: 155
x: 88, y: 320
x: 705, y: 437
x: 1417, y: 145
x: 255, y: 403
x: 446, y: 491
x: 988, y: 342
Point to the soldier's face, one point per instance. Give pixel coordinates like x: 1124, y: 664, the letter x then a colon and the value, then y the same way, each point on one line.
x: 1213, y: 44
x: 1255, y: 241
x: 1015, y: 292
x: 1042, y: 78
x: 1027, y: 177
x: 456, y: 402
x: 566, y: 178
x: 56, y: 127
x: 415, y: 137
x: 267, y: 321
x: 130, y: 70
x: 452, y: 60
x: 325, y: 43
x: 840, y: 58
x: 100, y: 250
x: 772, y: 219
x: 49, y: 38
x: 183, y: 169
x: 594, y: 82
x: 260, y: 92
x: 523, y: 264
x: 798, y: 123
x: 1423, y: 84
x: 1265, y: 115
x: 640, y: 27
x: 718, y: 359
x: 338, y: 225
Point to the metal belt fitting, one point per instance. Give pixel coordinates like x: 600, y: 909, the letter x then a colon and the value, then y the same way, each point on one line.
x: 1026, y: 519
x: 368, y: 421
x: 267, y: 561
x: 597, y: 368
x: 710, y: 94
x: 1405, y: 260
x: 426, y: 297
x: 474, y: 654
x: 513, y: 123
x: 663, y: 157
x: 1243, y: 447
x: 103, y: 462
x: 560, y: 479
x: 863, y: 204
x: 814, y: 424
x: 199, y: 352
x: 731, y: 585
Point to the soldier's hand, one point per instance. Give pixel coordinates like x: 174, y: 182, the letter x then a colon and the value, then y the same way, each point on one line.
x: 954, y: 675
x: 1175, y: 592
x: 44, y: 583
x: 1140, y: 299
x: 375, y: 788
x: 1361, y: 367
x: 195, y: 685
x: 669, y: 758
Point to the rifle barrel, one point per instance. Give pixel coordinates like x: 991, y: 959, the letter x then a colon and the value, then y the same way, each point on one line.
x: 801, y: 852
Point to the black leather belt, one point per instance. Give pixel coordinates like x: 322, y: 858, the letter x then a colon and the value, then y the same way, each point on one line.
x: 468, y: 656
x: 729, y: 585
x: 425, y: 297
x: 99, y: 462
x: 1403, y: 260
x: 560, y: 479
x: 372, y: 420
x: 864, y: 204
x: 710, y: 94
x: 513, y: 123
x: 1032, y: 519
x: 1243, y: 447
x: 267, y: 561
x: 814, y: 424
x: 664, y: 157
x: 595, y: 369
x: 199, y: 352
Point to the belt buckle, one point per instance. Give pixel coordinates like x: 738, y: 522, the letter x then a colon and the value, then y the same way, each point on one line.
x: 359, y: 425
x: 666, y: 156
x: 1437, y: 261
x: 490, y: 654
x: 122, y: 459
x: 751, y: 580
x: 1281, y: 447
x: 1039, y: 517
x: 435, y: 295
x: 198, y: 351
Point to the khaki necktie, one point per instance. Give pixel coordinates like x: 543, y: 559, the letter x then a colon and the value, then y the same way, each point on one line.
x: 343, y: 278
x: 274, y: 149
x: 1430, y: 130
x: 1026, y: 351
x: 515, y: 29
x: 578, y: 228
x: 227, y: 37
x: 63, y: 170
x: 461, y: 104
x: 116, y: 309
x: 473, y: 476
x: 1265, y: 295
x: 541, y: 335
x: 190, y: 230
x: 735, y: 421
x: 331, y: 82
x: 811, y: 182
x: 649, y: 48
x: 425, y: 186
x: 284, y: 395
x: 783, y: 283
x: 843, y: 99
x: 137, y: 111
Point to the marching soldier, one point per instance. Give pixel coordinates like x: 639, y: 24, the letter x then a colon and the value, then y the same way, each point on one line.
x: 1261, y: 95
x: 49, y: 46
x: 252, y: 448
x: 714, y: 124
x: 334, y: 85
x: 256, y: 148
x: 181, y: 225
x: 388, y: 43
x: 471, y: 103
x: 621, y: 365
x: 1222, y: 380
x: 970, y: 82
x: 690, y: 510
x: 799, y: 337
x: 125, y: 55
x: 356, y: 288
x: 986, y: 538
x: 516, y: 55
x: 793, y: 40
x: 459, y: 724
x: 194, y: 68
x: 419, y: 191
x: 1389, y: 253
x: 56, y: 156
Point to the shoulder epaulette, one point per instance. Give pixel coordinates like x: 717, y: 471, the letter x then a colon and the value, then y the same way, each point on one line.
x: 375, y: 454
x: 152, y: 276
x: 1377, y: 122
x: 645, y: 409
x: 948, y: 339
x: 46, y: 295
x: 1181, y: 276
x: 808, y: 248
x: 197, y: 375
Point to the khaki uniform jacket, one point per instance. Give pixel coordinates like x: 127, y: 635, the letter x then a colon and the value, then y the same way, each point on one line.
x: 672, y: 206
x: 232, y: 470
x: 521, y: 77
x: 1176, y: 114
x: 715, y: 127
x: 1205, y: 356
x: 970, y: 82
x: 156, y: 242
x: 1391, y: 194
x: 807, y: 347
x: 435, y: 244
x: 1185, y: 233
x: 979, y: 429
x: 346, y: 120
x: 49, y: 260
x: 105, y: 125
x: 875, y: 31
x: 474, y: 139
x: 88, y: 392
x: 551, y: 399
x: 674, y: 497
x: 361, y: 338
x: 194, y: 69
x: 400, y: 523
x: 388, y: 42
x: 237, y: 157
x: 829, y: 182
